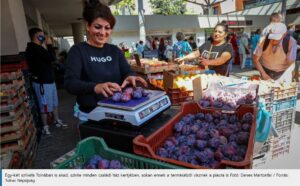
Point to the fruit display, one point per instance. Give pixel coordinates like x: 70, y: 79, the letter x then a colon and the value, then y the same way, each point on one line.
x: 184, y: 82
x: 205, y: 139
x: 128, y: 94
x: 158, y: 83
x: 228, y: 98
x: 190, y: 69
x: 153, y: 66
x: 97, y: 162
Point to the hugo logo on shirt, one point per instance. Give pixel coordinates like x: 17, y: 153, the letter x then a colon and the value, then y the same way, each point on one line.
x: 101, y: 59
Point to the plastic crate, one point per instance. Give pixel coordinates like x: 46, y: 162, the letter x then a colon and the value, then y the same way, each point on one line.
x: 95, y: 145
x: 283, y: 120
x: 285, y: 104
x: 285, y: 93
x: 281, y: 145
x: 148, y: 146
x: 268, y: 100
x: 178, y: 96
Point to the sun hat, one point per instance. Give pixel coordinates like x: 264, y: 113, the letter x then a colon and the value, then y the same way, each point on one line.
x: 277, y: 30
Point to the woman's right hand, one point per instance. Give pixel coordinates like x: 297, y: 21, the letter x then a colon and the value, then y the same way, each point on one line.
x: 107, y: 89
x: 179, y: 60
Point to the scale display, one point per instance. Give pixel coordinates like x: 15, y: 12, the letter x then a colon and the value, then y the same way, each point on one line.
x: 135, y: 117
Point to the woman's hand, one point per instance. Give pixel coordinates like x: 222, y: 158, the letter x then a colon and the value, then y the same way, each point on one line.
x: 132, y: 80
x: 107, y: 89
x: 179, y: 60
x: 203, y: 61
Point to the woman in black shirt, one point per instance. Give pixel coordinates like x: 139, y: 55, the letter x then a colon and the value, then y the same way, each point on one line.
x: 95, y: 69
x: 217, y: 54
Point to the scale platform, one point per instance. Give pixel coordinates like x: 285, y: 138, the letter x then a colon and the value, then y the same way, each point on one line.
x: 136, y: 111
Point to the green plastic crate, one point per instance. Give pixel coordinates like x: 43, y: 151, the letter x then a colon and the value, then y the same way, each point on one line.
x: 94, y: 145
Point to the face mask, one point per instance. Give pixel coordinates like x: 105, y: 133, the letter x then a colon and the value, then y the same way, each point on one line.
x: 41, y: 38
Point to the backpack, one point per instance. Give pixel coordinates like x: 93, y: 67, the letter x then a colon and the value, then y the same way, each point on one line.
x: 285, y: 43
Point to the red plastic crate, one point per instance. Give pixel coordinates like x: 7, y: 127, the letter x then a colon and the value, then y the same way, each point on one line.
x: 178, y: 96
x: 148, y: 146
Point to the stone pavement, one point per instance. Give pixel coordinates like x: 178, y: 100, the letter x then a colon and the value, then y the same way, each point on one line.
x: 63, y: 140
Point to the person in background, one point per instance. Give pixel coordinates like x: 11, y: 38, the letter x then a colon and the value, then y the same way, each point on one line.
x: 169, y: 50
x: 291, y: 32
x: 217, y: 55
x: 192, y: 43
x: 275, y: 55
x: 161, y: 49
x: 155, y: 43
x: 41, y: 63
x: 140, y: 48
x: 181, y: 48
x: 234, y: 44
x: 148, y: 44
x: 243, y: 49
x: 96, y: 69
x: 255, y: 40
x: 274, y: 18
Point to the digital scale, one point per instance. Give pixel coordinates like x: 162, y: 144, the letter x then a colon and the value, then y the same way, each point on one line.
x: 136, y: 111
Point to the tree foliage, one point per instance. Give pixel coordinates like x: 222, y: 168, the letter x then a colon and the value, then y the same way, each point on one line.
x: 126, y: 3
x: 168, y: 7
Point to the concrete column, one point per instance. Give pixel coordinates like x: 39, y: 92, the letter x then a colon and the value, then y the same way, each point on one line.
x: 14, y: 32
x: 39, y: 19
x: 78, y: 32
x: 142, y: 29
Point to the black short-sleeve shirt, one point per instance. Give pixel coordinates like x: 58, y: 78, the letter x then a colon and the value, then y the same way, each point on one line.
x: 216, y: 52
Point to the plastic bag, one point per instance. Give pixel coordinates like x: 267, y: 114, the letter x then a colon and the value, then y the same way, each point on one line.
x: 228, y: 97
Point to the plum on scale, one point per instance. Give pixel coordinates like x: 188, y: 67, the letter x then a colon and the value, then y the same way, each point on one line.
x: 129, y: 93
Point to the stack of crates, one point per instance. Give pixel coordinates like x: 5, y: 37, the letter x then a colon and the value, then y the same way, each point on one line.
x: 281, y: 103
x: 283, y: 117
x: 18, y: 133
x: 262, y: 151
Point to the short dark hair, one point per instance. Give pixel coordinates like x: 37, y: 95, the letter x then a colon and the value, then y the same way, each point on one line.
x: 191, y: 38
x: 180, y: 36
x: 224, y: 25
x: 93, y: 9
x: 258, y: 31
x: 33, y: 31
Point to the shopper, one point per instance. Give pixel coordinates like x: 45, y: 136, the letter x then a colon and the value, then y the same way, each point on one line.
x: 95, y: 69
x: 192, y: 43
x: 277, y: 52
x: 217, y: 55
x: 274, y: 18
x: 140, y: 48
x: 235, y: 47
x: 169, y: 50
x: 161, y: 50
x: 41, y: 63
x: 243, y: 49
x: 181, y: 48
x: 255, y: 40
x: 148, y: 44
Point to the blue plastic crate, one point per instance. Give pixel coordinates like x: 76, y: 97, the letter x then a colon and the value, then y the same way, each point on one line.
x: 284, y: 104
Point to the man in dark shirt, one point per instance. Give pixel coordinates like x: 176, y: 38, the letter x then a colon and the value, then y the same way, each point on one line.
x: 40, y: 62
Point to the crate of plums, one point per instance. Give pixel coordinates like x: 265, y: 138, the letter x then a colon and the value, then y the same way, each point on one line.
x: 93, y: 153
x: 203, y: 138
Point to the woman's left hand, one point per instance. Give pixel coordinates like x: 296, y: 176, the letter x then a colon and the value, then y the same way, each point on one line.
x: 203, y: 61
x: 132, y: 80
